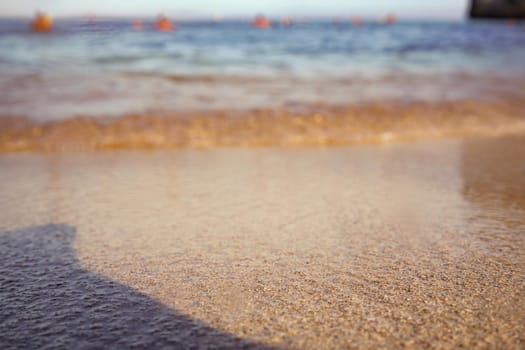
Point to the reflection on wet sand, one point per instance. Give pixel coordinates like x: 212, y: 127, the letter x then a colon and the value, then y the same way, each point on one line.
x: 494, y: 182
x: 306, y: 248
x: 494, y: 173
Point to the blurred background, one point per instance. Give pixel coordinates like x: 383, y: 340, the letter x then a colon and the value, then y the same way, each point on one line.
x: 61, y: 60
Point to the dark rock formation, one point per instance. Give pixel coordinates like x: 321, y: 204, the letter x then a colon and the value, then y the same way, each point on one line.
x: 497, y: 9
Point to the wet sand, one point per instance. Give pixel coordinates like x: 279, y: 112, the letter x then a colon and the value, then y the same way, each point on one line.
x: 387, y: 246
x: 315, y: 124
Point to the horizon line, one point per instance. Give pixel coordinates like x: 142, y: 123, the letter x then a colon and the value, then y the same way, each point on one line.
x: 235, y: 17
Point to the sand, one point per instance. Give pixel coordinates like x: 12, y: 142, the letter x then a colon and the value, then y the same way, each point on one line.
x: 390, y: 246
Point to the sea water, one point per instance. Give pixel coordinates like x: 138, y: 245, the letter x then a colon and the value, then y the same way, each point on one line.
x: 105, y: 68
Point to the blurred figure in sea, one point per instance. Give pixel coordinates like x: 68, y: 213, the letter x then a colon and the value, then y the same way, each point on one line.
x: 42, y: 23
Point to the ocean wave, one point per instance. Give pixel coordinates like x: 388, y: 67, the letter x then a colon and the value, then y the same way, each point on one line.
x: 381, y: 122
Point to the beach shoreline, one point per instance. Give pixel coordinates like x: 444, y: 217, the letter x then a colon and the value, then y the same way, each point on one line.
x: 398, y: 246
x: 321, y: 184
x: 302, y: 125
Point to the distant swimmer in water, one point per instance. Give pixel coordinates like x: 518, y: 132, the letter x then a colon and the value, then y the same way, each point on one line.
x: 42, y: 23
x: 163, y: 24
x: 261, y: 22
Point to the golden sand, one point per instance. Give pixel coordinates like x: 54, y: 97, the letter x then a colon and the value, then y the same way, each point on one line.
x: 393, y: 246
x: 381, y: 122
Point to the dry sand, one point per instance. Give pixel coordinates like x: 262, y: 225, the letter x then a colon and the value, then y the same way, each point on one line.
x: 395, y: 246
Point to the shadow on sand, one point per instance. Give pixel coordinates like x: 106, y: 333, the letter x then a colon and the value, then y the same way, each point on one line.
x: 48, y: 301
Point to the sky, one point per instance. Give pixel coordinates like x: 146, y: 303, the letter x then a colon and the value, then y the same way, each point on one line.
x: 448, y: 9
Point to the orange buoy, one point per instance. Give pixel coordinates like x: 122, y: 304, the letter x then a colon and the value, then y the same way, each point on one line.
x: 390, y: 19
x: 90, y: 18
x: 261, y: 22
x: 42, y: 23
x: 163, y: 24
x: 356, y: 21
x: 137, y: 24
x: 286, y: 21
